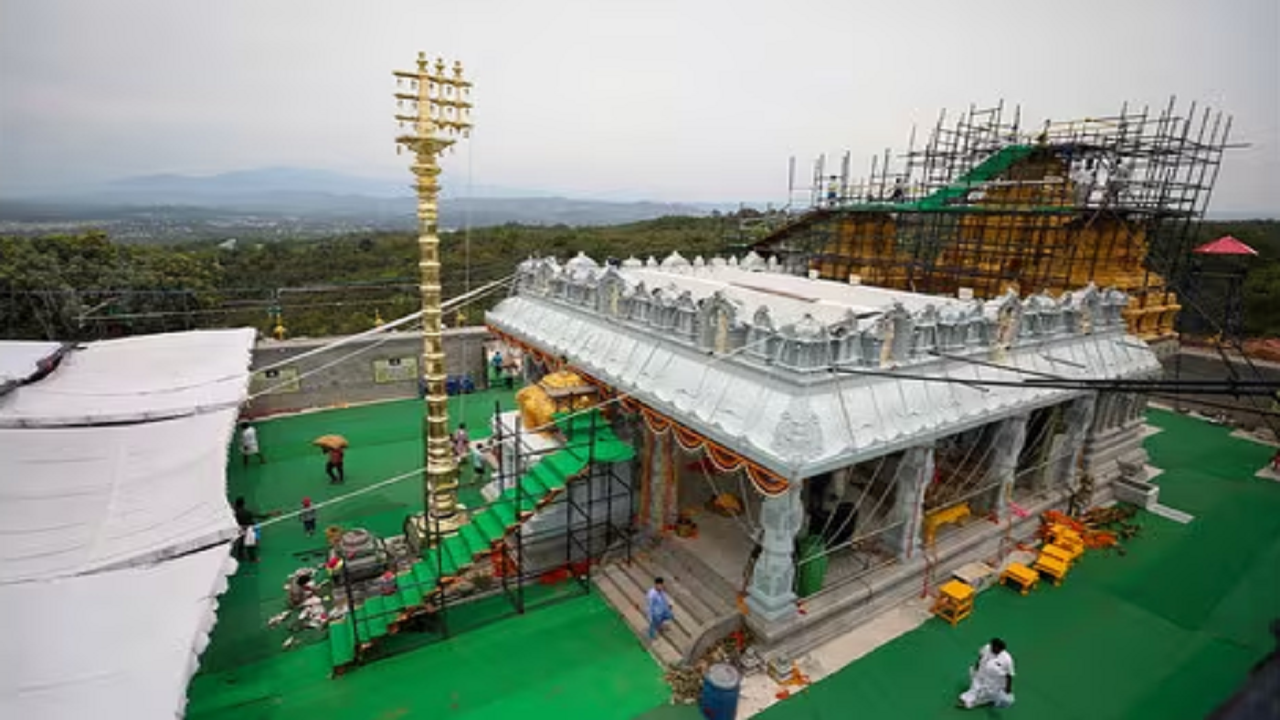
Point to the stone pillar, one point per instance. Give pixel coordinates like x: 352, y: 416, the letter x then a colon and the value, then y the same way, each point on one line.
x: 1079, y: 416
x: 659, y: 457
x: 1009, y: 442
x: 915, y: 472
x: 1104, y: 416
x: 771, y: 595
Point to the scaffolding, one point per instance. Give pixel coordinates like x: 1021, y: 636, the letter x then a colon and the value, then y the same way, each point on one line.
x: 453, y: 587
x: 989, y: 205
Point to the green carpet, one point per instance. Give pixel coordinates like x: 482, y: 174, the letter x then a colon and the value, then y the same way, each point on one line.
x: 1167, y: 631
x: 547, y: 663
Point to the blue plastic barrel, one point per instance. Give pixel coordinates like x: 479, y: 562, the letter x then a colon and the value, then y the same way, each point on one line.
x: 720, y: 689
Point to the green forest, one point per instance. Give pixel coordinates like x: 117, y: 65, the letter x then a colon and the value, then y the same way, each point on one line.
x: 75, y: 287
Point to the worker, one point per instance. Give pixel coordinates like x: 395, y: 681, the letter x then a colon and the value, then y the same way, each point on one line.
x: 899, y: 191
x: 246, y: 545
x: 495, y: 364
x: 478, y: 450
x: 461, y: 441
x: 990, y: 678
x: 333, y: 466
x: 249, y: 444
x: 1083, y: 177
x: 659, y: 604
x: 1118, y: 183
x: 308, y: 517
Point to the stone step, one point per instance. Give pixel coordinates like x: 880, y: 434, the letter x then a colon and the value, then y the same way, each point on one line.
x: 620, y: 596
x: 684, y: 595
x: 714, y: 590
x: 682, y: 631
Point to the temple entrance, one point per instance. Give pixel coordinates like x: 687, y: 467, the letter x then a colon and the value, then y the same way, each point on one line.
x: 718, y: 516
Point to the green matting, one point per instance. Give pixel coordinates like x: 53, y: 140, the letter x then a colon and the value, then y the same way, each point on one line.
x: 1167, y: 631
x: 574, y: 658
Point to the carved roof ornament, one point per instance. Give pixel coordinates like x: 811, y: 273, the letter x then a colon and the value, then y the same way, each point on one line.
x: 675, y: 262
x: 762, y: 320
x: 632, y: 263
x: 733, y: 261
x: 807, y: 328
x: 928, y: 315
x: 581, y: 265
x: 718, y: 262
x: 952, y: 315
x: 752, y: 262
x: 651, y: 263
x: 798, y: 435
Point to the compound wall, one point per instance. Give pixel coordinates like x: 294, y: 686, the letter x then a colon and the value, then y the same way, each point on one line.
x: 389, y: 371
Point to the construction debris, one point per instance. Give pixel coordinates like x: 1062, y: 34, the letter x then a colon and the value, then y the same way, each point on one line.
x: 1099, y: 528
x: 733, y: 649
x: 685, y: 682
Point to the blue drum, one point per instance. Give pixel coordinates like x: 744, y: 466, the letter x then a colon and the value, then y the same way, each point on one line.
x: 720, y: 689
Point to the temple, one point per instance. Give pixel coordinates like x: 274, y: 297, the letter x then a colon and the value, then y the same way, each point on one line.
x: 874, y: 438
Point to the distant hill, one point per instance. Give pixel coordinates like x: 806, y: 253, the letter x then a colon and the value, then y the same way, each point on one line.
x: 318, y: 196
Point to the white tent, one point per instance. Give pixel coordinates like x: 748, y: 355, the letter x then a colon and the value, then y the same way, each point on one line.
x: 120, y: 644
x: 84, y: 499
x: 115, y: 522
x: 148, y: 377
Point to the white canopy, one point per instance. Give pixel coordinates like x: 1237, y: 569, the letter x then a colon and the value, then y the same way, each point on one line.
x: 114, y: 521
x: 83, y: 499
x: 119, y: 645
x: 138, y: 378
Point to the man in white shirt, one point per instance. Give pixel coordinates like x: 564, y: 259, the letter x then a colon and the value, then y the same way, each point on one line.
x: 249, y: 444
x: 991, y: 678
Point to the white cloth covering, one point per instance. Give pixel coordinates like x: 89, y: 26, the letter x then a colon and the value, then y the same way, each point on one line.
x: 114, y: 521
x: 147, y: 377
x: 109, y: 646
x: 77, y: 500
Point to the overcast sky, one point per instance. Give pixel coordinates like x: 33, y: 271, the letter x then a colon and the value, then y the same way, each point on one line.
x: 684, y: 100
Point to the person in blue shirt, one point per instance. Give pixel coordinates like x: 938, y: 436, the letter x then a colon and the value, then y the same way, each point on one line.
x: 659, y: 607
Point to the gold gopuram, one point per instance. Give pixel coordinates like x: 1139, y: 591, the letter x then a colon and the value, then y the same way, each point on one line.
x: 989, y: 205
x: 435, y: 110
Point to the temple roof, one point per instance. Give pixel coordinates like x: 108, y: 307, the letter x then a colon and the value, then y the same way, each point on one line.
x: 804, y: 376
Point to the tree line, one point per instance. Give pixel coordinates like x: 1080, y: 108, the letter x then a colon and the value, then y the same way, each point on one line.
x: 85, y: 286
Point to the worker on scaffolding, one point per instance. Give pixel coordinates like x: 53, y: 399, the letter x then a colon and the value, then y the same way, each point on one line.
x: 1083, y: 177
x: 1118, y: 182
x: 833, y: 191
x: 899, y: 191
